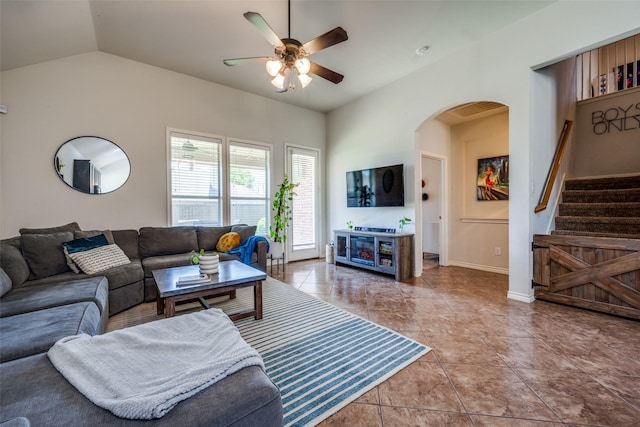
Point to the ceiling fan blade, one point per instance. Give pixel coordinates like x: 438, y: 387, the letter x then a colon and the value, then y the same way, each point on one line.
x: 240, y: 61
x: 258, y: 21
x: 335, y: 36
x: 325, y: 73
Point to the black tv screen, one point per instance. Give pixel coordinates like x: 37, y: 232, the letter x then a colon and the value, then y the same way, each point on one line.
x: 376, y: 187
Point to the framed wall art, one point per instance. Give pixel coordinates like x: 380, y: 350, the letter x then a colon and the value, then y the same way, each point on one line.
x: 493, y: 178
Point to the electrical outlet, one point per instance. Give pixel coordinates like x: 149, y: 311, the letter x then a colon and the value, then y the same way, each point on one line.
x: 497, y: 251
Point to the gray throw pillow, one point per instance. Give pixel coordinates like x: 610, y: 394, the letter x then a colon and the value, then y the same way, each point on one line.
x: 244, y: 231
x: 72, y: 226
x: 13, y: 263
x: 44, y: 254
x: 5, y: 283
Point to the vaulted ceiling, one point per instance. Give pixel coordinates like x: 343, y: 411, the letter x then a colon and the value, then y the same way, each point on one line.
x: 193, y: 37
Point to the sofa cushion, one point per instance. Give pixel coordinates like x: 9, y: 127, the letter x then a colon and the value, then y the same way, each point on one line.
x: 208, y: 236
x: 43, y: 253
x: 33, y: 298
x: 156, y: 241
x: 35, y: 332
x: 72, y: 226
x: 99, y: 259
x: 165, y: 261
x: 5, y: 285
x: 244, y: 231
x: 117, y: 276
x: 128, y: 242
x: 228, y: 241
x: 39, y: 392
x: 14, y: 264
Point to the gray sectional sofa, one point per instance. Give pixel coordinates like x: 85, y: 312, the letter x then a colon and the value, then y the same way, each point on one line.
x: 41, y: 303
x: 36, y: 258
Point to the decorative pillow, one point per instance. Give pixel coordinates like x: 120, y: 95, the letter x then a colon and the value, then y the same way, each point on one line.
x: 43, y: 253
x: 13, y: 263
x: 78, y: 234
x: 80, y: 245
x: 72, y: 226
x: 244, y: 231
x: 5, y: 283
x: 99, y: 259
x: 228, y: 241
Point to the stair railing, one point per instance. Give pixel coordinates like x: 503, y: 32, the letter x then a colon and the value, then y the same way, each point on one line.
x: 555, y: 165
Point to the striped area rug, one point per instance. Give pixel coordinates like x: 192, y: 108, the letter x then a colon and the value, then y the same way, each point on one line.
x: 321, y: 357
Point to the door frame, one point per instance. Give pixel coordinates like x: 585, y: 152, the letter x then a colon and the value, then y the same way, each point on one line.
x: 315, y: 252
x: 444, y: 207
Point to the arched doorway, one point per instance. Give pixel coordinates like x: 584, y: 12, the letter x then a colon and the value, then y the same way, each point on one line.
x: 467, y: 230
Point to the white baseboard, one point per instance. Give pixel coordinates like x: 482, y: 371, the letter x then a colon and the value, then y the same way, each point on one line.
x: 521, y: 297
x: 488, y: 268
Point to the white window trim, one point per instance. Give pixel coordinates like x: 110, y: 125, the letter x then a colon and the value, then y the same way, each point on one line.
x: 226, y: 185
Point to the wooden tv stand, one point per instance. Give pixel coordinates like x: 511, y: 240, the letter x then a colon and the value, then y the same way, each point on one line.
x: 389, y: 253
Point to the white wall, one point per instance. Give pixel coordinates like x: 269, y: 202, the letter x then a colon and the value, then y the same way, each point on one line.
x: 608, y: 135
x: 130, y: 104
x: 498, y: 68
x: 477, y: 227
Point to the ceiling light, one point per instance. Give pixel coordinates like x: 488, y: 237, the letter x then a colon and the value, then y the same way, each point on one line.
x: 303, y: 65
x: 422, y: 50
x: 273, y: 67
x: 304, y: 79
x: 278, y: 81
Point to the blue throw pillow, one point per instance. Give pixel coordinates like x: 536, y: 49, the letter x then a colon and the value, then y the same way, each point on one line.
x: 85, y: 243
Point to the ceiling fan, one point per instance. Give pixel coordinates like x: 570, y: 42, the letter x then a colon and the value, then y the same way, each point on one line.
x: 291, y: 55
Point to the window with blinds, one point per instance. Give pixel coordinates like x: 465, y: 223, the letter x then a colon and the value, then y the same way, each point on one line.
x: 201, y: 177
x: 249, y: 184
x: 303, y: 227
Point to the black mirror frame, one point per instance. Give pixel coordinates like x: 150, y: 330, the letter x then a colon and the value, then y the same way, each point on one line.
x: 57, y: 164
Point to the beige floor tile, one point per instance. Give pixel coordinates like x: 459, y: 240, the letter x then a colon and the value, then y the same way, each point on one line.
x: 510, y: 363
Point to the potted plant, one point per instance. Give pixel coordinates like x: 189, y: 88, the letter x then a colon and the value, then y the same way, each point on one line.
x: 281, y: 207
x: 404, y: 221
x: 208, y: 262
x: 350, y: 224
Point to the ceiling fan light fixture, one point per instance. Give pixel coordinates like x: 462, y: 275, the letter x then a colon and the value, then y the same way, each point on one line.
x: 278, y: 81
x: 303, y: 65
x: 273, y: 67
x: 304, y: 80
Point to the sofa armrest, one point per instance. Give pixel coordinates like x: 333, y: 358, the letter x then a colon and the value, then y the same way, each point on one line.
x: 261, y: 252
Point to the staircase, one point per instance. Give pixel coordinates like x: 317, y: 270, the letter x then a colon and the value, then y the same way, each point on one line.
x: 592, y: 259
x: 600, y: 207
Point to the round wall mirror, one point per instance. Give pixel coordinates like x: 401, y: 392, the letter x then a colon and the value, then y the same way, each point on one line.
x: 92, y: 165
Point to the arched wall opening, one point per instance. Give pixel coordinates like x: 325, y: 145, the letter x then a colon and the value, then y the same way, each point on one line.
x: 470, y: 226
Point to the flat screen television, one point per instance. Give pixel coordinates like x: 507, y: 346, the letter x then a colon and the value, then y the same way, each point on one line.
x: 383, y: 186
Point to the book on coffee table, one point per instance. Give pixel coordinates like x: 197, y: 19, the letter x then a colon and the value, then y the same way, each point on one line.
x: 192, y: 280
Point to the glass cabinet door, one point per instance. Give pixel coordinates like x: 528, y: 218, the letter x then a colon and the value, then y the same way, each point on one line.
x: 341, y: 246
x: 385, y: 254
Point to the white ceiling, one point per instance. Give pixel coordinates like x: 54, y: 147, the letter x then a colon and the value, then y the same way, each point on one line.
x: 193, y: 37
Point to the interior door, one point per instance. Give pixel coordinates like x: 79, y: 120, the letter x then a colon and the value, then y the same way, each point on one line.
x: 302, y: 234
x: 432, y: 207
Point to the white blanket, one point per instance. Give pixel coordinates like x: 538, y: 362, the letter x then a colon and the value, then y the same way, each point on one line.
x: 142, y: 372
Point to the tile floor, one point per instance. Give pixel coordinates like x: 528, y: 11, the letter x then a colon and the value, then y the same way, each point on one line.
x: 495, y: 362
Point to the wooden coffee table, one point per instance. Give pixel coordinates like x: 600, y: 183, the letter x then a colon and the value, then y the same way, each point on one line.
x: 231, y: 275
